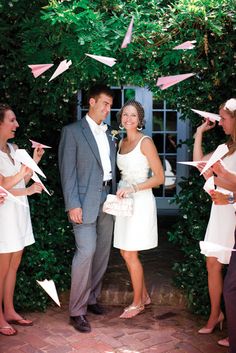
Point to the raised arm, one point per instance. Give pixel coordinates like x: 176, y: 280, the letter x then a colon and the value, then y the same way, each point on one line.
x: 197, y: 148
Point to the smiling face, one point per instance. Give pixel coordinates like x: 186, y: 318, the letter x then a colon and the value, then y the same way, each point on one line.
x: 8, y: 125
x: 100, y: 107
x: 227, y: 122
x: 130, y: 117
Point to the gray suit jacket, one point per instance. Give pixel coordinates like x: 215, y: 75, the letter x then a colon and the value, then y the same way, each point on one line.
x: 81, y: 169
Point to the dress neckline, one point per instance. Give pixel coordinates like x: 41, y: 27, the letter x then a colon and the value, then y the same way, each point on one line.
x: 123, y: 154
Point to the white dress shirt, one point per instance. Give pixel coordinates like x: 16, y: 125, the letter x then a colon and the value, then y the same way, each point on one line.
x: 103, y: 146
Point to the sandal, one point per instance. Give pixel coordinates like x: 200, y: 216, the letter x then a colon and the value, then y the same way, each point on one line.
x: 21, y: 322
x: 147, y: 300
x: 132, y: 311
x: 224, y: 342
x: 4, y: 328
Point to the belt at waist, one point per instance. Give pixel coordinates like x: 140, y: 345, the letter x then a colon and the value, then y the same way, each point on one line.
x: 107, y: 182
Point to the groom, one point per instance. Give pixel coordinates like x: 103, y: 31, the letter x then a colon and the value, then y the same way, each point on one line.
x: 87, y: 168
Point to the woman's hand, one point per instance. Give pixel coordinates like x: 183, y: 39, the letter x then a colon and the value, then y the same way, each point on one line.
x: 206, y: 126
x: 38, y: 153
x: 208, y: 173
x: 219, y: 169
x: 35, y: 188
x: 25, y: 171
x: 219, y: 198
x: 124, y: 192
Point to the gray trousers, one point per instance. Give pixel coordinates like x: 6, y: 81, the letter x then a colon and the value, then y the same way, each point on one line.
x: 93, y: 245
x: 230, y: 300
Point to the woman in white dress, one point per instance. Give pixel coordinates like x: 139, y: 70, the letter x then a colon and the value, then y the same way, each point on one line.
x: 15, y: 223
x: 221, y: 226
x: 136, y: 158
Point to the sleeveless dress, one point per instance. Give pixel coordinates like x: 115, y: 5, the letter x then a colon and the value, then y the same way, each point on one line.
x: 222, y: 222
x: 138, y: 232
x: 15, y: 223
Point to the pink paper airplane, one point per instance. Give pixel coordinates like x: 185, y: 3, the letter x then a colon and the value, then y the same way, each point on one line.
x: 168, y: 81
x: 210, y: 116
x: 37, y: 144
x: 186, y: 45
x: 103, y: 59
x: 128, y: 36
x: 39, y: 69
x: 63, y: 66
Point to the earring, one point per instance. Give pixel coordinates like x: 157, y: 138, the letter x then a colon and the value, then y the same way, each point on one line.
x: 121, y: 127
x: 139, y: 128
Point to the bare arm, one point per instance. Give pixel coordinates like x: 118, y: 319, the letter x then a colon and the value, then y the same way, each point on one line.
x: 225, y: 178
x: 197, y: 148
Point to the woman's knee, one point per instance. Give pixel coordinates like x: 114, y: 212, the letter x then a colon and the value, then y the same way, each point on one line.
x: 129, y: 256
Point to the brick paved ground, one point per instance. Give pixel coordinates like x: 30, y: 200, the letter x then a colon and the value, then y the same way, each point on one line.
x: 161, y: 329
x: 165, y: 327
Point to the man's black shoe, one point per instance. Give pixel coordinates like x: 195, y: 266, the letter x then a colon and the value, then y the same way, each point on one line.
x: 80, y: 323
x: 95, y: 309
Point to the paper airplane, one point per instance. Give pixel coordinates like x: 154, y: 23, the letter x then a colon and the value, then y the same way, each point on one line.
x: 209, y: 185
x: 37, y: 144
x: 209, y: 246
x: 103, y: 59
x: 63, y: 66
x: 186, y: 45
x: 39, y: 69
x: 191, y: 163
x: 50, y: 289
x: 23, y: 157
x: 128, y: 36
x: 210, y: 116
x: 11, y: 197
x: 216, y: 156
x: 37, y: 180
x: 168, y: 81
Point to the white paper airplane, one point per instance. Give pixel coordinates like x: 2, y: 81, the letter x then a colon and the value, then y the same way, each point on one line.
x: 39, y: 69
x: 210, y: 116
x: 168, y: 81
x: 103, y: 59
x: 36, y: 144
x: 216, y: 156
x: 23, y: 157
x: 209, y: 246
x: 191, y: 163
x: 128, y: 36
x: 37, y: 180
x: 11, y: 197
x: 63, y: 66
x: 186, y: 45
x: 209, y: 185
x: 50, y: 289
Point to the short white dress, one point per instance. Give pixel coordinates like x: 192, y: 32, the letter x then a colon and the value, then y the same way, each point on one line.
x: 222, y: 222
x: 15, y: 223
x: 138, y: 232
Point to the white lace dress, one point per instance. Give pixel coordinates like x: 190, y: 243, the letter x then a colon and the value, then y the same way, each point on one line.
x: 138, y: 232
x: 15, y: 224
x: 222, y: 222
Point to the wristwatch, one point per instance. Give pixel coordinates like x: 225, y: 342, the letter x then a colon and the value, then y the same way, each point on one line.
x: 231, y: 199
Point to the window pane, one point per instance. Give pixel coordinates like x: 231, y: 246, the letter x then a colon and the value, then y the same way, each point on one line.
x: 157, y: 104
x: 129, y: 94
x: 159, y: 142
x: 170, y: 176
x: 114, y: 122
x: 158, y: 123
x: 171, y: 121
x: 171, y: 146
x: 117, y: 100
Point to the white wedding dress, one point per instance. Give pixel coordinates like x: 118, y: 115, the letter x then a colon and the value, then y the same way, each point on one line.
x: 138, y: 232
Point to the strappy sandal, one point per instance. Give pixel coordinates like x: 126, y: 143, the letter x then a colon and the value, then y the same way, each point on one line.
x: 132, y: 311
x: 147, y: 300
x: 4, y: 328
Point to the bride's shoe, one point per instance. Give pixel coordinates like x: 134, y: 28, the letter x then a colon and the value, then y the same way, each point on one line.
x: 219, y: 322
x: 224, y: 342
x: 132, y: 311
x: 147, y: 300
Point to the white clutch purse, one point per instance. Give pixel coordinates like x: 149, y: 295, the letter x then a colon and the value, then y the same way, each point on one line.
x: 118, y: 206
